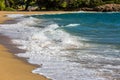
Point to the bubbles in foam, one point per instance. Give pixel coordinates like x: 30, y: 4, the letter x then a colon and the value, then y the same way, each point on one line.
x: 15, y: 15
x: 72, y: 25
x: 51, y: 47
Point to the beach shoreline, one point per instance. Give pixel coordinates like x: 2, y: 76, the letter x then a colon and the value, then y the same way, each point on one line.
x: 30, y: 38
x: 11, y: 49
x: 13, y: 67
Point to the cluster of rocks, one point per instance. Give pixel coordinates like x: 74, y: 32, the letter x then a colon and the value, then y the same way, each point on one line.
x: 103, y: 8
x: 108, y: 7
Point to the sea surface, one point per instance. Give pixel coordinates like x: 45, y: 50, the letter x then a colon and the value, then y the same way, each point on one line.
x: 74, y: 46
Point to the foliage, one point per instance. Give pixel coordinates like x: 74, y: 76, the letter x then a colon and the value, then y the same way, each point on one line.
x: 52, y: 4
x: 2, y: 5
x: 9, y: 9
x: 64, y: 4
x: 94, y: 3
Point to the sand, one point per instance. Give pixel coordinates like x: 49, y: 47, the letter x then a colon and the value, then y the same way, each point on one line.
x: 3, y: 18
x: 11, y: 67
x: 33, y: 12
x: 3, y: 14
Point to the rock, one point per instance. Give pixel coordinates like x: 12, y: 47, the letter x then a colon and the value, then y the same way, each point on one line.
x: 86, y: 9
x: 107, y: 8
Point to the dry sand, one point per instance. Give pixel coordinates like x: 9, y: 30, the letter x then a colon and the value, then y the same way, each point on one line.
x: 3, y: 17
x: 34, y: 12
x: 12, y: 68
x: 3, y: 14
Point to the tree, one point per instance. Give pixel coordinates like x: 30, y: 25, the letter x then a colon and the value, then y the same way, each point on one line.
x: 27, y: 4
x: 53, y: 4
x: 94, y: 3
x: 2, y: 4
x: 7, y: 4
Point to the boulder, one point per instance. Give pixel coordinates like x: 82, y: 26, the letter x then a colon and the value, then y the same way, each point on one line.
x: 107, y: 8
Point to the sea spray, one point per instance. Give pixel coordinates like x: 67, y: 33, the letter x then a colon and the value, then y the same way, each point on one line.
x: 61, y: 54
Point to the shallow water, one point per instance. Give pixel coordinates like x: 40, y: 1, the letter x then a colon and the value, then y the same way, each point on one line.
x: 77, y: 46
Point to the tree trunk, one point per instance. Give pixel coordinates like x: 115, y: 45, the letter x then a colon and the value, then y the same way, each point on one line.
x: 7, y: 4
x: 27, y: 4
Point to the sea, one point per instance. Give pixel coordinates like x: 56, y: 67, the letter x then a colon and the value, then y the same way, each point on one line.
x: 71, y: 46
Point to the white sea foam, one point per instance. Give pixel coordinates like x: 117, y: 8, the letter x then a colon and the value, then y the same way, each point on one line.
x: 72, y: 25
x: 53, y: 48
x: 15, y: 15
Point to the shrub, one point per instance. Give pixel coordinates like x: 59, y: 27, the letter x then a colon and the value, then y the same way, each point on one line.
x: 109, y: 2
x: 9, y: 9
x: 64, y: 4
x: 2, y: 5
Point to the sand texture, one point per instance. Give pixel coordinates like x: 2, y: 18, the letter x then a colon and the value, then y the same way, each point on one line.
x: 12, y: 67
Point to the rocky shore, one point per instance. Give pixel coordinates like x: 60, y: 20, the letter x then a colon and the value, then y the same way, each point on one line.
x: 103, y: 8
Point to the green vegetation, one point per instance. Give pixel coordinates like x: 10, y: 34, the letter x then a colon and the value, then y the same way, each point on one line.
x: 2, y: 5
x: 52, y: 4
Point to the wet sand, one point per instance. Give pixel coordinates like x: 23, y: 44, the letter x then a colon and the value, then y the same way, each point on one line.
x: 12, y: 67
x: 3, y: 14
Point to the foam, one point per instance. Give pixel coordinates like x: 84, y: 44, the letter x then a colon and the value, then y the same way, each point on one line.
x: 15, y: 15
x: 57, y: 51
x: 72, y: 25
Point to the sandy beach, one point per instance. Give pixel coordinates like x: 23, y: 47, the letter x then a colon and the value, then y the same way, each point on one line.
x: 3, y: 14
x: 11, y: 67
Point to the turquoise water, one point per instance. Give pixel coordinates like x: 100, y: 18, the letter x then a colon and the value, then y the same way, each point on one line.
x: 93, y: 42
x: 103, y: 28
x: 75, y: 46
x: 95, y: 28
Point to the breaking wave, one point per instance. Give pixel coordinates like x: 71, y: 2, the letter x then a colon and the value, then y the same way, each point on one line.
x: 61, y: 56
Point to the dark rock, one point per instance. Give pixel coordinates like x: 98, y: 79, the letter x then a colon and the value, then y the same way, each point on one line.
x: 86, y: 9
x: 107, y: 8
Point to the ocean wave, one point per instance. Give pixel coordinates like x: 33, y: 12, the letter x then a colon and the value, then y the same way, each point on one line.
x: 72, y: 25
x: 15, y: 15
x: 61, y: 56
x: 46, y: 46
